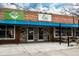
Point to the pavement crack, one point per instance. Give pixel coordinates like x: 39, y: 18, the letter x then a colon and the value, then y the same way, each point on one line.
x: 24, y: 50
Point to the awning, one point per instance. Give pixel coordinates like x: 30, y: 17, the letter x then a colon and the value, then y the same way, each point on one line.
x: 33, y: 23
x: 69, y: 25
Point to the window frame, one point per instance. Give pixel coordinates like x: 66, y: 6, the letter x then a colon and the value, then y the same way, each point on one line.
x: 76, y: 31
x: 5, y: 38
x: 56, y: 34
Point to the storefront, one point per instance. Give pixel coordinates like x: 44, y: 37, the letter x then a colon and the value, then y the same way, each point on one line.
x: 28, y: 31
x: 33, y: 34
x: 7, y: 32
x: 22, y: 27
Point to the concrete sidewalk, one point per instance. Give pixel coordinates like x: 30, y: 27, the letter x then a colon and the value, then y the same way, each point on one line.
x: 35, y: 49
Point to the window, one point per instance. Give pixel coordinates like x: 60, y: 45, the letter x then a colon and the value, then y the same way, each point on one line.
x: 30, y: 33
x: 69, y: 32
x: 40, y: 33
x: 7, y: 32
x: 2, y: 31
x: 64, y: 32
x: 77, y: 32
x: 10, y: 32
x: 57, y: 32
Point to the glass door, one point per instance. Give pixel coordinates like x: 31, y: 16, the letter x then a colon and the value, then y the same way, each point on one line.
x: 41, y: 37
x: 30, y: 34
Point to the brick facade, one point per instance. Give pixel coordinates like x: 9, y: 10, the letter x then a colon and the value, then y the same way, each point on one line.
x: 33, y: 16
x: 1, y: 14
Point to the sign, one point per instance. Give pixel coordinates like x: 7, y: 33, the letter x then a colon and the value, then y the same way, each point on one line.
x: 44, y: 17
x: 13, y: 15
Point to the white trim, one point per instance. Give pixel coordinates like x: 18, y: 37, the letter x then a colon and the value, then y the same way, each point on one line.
x: 7, y: 39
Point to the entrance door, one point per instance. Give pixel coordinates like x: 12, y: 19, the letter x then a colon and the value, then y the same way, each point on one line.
x: 30, y: 34
x: 23, y: 34
x: 41, y: 36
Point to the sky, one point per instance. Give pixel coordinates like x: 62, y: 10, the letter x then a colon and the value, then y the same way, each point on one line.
x: 43, y: 7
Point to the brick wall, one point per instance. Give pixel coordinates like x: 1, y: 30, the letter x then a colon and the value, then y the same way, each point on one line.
x: 76, y: 20
x: 1, y: 14
x: 33, y: 16
x: 62, y: 19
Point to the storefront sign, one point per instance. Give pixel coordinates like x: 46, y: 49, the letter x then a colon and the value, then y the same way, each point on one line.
x: 13, y: 14
x: 44, y: 17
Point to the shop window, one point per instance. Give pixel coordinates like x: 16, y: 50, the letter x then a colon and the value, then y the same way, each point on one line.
x: 69, y: 32
x: 64, y: 32
x: 30, y: 33
x: 40, y: 33
x: 7, y: 32
x: 10, y: 32
x: 77, y: 32
x: 57, y: 32
x: 2, y: 31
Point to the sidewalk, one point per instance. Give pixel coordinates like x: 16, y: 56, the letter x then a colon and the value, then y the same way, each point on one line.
x: 30, y: 49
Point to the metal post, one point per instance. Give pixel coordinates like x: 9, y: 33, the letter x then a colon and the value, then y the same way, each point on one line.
x: 68, y: 41
x: 78, y: 38
x: 78, y: 24
x: 60, y: 33
x: 73, y: 28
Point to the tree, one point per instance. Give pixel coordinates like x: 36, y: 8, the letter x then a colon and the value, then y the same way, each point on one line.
x: 74, y: 11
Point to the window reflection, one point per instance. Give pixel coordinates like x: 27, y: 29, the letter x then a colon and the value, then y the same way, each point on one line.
x: 77, y: 32
x: 2, y: 31
x: 64, y: 32
x: 30, y: 33
x: 10, y: 31
x: 6, y: 31
x: 40, y: 33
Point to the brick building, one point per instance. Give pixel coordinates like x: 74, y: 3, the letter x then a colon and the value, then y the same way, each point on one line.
x: 19, y: 26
